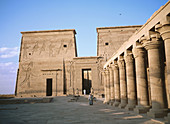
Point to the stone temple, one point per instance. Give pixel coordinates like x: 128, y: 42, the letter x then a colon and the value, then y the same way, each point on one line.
x: 131, y: 69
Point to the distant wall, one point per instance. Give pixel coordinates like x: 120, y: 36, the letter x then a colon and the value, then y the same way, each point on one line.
x: 111, y: 38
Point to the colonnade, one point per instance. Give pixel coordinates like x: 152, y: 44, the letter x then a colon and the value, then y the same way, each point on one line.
x: 128, y: 84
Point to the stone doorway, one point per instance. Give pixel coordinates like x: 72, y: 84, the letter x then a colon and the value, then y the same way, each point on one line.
x: 49, y: 87
x: 86, y: 80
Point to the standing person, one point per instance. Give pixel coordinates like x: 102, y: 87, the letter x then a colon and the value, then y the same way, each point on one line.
x: 92, y: 91
x: 77, y: 92
x: 90, y: 99
x: 84, y: 91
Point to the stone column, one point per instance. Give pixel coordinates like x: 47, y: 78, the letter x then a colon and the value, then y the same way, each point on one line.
x: 123, y: 87
x: 157, y: 98
x: 111, y: 84
x: 105, y: 80
x: 141, y: 80
x: 107, y: 86
x: 164, y: 30
x: 130, y: 76
x: 116, y: 85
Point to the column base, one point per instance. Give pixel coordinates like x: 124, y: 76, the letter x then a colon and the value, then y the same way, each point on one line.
x: 123, y: 103
x: 106, y: 102
x: 141, y: 109
x: 130, y: 107
x: 158, y: 113
x: 168, y: 118
x: 116, y: 103
x: 111, y: 102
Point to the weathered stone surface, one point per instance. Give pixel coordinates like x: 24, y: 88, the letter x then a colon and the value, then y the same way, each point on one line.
x: 60, y: 112
x: 111, y: 38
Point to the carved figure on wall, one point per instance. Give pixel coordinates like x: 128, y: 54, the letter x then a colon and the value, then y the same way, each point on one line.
x: 28, y: 74
x: 35, y: 48
x: 69, y: 70
x: 42, y: 49
x: 99, y: 68
x: 69, y: 46
x: 51, y: 49
x: 61, y: 46
x: 105, y: 55
x: 25, y: 47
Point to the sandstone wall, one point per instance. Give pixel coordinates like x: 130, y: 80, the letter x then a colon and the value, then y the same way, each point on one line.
x: 111, y: 38
x: 43, y: 55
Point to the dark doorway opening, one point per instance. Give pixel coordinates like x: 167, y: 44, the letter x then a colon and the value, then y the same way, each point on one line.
x: 86, y: 80
x: 49, y: 87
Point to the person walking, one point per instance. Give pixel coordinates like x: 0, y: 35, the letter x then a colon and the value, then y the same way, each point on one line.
x: 84, y: 91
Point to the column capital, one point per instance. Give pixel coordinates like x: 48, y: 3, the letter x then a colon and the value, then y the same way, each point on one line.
x: 103, y: 72
x: 153, y: 42
x: 110, y: 68
x: 115, y: 66
x: 121, y: 63
x: 107, y: 71
x: 128, y: 58
x: 138, y: 51
x: 164, y: 30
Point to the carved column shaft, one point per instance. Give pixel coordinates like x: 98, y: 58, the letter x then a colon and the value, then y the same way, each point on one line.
x: 116, y: 85
x: 111, y: 85
x: 131, y: 89
x: 107, y: 86
x: 164, y: 31
x: 141, y: 80
x: 123, y: 87
x: 105, y: 80
x: 156, y: 81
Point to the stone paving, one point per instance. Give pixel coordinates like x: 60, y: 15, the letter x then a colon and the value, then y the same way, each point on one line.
x: 60, y: 111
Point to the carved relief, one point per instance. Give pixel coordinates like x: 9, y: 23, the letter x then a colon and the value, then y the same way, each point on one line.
x: 61, y: 47
x: 69, y: 46
x: 29, y: 73
x: 100, y: 70
x: 42, y: 49
x: 51, y: 50
x: 25, y: 47
x: 105, y: 55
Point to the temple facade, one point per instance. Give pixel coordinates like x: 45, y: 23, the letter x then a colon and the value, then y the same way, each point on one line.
x: 131, y: 69
x: 49, y: 65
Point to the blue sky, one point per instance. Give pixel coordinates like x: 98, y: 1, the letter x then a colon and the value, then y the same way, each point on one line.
x: 83, y: 15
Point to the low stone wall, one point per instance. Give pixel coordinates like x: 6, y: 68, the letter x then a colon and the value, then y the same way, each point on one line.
x: 25, y: 100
